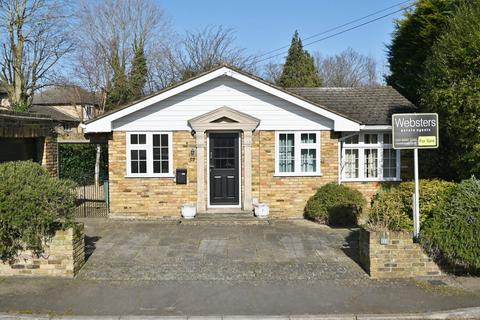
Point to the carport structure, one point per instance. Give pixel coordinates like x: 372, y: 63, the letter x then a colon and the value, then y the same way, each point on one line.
x: 28, y: 136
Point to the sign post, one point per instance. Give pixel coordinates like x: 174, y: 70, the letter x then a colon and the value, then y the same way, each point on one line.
x: 415, y: 131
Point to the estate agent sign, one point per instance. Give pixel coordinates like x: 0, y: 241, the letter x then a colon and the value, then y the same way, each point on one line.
x: 415, y: 130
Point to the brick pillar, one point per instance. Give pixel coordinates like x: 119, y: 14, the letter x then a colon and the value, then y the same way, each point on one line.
x: 50, y: 155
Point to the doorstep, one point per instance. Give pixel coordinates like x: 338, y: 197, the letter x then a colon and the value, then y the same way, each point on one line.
x: 225, y: 218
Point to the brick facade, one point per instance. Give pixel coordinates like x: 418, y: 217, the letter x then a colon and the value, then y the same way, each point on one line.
x: 150, y: 198
x: 64, y: 256
x: 286, y: 196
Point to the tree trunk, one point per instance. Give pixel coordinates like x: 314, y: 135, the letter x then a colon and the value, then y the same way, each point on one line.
x: 97, y: 164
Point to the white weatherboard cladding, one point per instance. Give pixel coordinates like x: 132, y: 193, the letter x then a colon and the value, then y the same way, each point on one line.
x: 174, y: 112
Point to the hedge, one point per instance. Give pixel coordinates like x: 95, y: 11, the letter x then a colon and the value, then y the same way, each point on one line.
x: 453, y: 232
x: 77, y: 162
x: 392, y: 207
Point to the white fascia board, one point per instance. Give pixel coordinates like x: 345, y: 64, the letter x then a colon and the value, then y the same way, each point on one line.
x: 367, y: 127
x: 340, y: 123
x: 105, y: 124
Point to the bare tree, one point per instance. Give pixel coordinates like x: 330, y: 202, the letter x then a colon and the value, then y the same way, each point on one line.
x: 212, y: 46
x: 34, y: 37
x: 164, y: 68
x: 109, y: 28
x: 272, y: 72
x: 347, y: 69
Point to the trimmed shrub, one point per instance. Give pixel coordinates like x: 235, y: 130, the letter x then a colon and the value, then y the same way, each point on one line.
x: 453, y: 233
x: 392, y: 207
x: 33, y: 205
x: 335, y: 204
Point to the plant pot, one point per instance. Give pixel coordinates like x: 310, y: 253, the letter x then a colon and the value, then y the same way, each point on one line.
x: 261, y: 210
x: 189, y: 211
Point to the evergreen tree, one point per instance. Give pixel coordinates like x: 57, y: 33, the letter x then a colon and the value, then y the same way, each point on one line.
x: 452, y: 89
x: 412, y: 42
x: 299, y: 69
x: 138, y: 72
x: 117, y: 94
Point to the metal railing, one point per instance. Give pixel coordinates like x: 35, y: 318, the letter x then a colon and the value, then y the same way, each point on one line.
x: 92, y: 200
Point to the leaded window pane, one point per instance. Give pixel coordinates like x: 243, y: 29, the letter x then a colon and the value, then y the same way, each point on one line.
x: 309, y: 160
x: 351, y: 163
x: 370, y: 138
x: 286, y: 152
x: 371, y: 163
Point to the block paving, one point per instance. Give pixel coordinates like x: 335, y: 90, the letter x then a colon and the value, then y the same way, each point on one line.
x: 281, y: 250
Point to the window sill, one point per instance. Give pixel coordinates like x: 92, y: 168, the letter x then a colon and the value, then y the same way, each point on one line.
x: 372, y: 180
x: 301, y: 174
x: 148, y: 176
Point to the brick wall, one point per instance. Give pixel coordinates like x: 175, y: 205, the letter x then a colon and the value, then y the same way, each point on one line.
x: 163, y: 198
x: 150, y: 197
x: 64, y: 256
x: 50, y: 155
x: 286, y: 196
x: 400, y: 257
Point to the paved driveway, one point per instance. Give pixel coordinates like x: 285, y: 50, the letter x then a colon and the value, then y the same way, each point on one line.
x: 293, y: 250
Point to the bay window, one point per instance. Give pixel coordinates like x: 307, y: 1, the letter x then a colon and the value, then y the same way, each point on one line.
x: 149, y: 154
x: 297, y: 154
x: 369, y: 156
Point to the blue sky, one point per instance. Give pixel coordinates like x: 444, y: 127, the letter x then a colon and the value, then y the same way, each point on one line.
x: 261, y: 26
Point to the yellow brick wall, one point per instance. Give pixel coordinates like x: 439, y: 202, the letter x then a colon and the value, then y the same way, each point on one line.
x: 286, y: 196
x: 63, y: 257
x: 400, y: 257
x: 150, y: 197
x: 50, y: 155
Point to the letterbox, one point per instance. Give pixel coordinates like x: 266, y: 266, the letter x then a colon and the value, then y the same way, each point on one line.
x: 181, y: 176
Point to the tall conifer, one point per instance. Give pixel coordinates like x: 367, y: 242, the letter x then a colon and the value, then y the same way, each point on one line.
x: 299, y: 69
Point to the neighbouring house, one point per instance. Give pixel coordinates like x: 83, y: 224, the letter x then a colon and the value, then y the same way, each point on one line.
x: 242, y: 140
x: 69, y: 105
x: 27, y: 136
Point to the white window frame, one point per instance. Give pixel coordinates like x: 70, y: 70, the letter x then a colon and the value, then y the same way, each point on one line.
x: 149, y: 148
x: 361, y: 146
x: 298, y: 147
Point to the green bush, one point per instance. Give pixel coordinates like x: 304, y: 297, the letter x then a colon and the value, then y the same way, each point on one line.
x: 33, y: 205
x: 335, y: 204
x: 392, y: 207
x: 453, y: 233
x: 77, y: 162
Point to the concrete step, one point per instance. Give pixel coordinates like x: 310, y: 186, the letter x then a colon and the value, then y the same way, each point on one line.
x: 241, y: 218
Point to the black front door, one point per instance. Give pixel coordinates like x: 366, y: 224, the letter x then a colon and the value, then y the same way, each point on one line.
x: 224, y: 168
